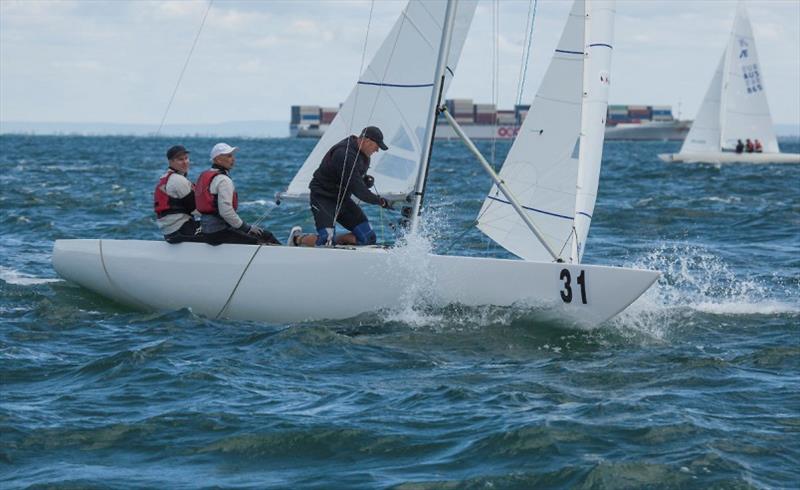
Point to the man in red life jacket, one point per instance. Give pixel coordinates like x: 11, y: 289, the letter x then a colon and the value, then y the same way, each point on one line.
x: 174, y: 200
x: 217, y: 201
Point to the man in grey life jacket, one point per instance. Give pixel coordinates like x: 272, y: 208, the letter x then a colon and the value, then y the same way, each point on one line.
x: 342, y: 174
x: 217, y: 201
x: 173, y: 200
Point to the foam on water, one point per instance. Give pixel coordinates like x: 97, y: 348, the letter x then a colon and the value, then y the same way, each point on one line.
x: 695, y: 279
x: 11, y: 276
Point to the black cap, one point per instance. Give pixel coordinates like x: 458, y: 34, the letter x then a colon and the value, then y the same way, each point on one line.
x: 176, y: 151
x: 375, y: 134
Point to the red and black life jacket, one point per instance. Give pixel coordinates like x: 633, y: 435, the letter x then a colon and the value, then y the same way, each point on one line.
x: 164, y: 204
x: 206, y: 202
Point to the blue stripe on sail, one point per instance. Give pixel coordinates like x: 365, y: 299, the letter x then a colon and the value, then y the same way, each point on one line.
x: 539, y: 210
x: 532, y: 209
x: 377, y: 84
x: 568, y: 52
x: 601, y: 44
x: 451, y: 71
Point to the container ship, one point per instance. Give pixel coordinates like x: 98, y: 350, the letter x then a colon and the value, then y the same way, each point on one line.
x: 485, y: 121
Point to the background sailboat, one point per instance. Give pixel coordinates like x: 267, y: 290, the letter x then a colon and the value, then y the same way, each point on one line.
x: 734, y: 109
x: 554, y: 169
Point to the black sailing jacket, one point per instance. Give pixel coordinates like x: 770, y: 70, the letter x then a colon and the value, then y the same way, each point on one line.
x: 337, y: 168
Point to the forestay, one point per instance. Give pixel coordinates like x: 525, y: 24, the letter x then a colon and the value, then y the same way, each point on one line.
x: 553, y: 166
x: 394, y: 93
x: 745, y: 112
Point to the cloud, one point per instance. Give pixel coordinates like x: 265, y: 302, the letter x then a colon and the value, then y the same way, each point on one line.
x: 119, y: 60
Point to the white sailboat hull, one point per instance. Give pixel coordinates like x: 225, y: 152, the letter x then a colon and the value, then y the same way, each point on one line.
x: 295, y: 284
x: 730, y: 157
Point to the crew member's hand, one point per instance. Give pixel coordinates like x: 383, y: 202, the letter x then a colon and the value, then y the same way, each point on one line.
x: 386, y: 204
x: 369, y: 181
x: 256, y: 232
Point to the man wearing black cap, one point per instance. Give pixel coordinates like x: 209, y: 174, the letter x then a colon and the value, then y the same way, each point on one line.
x: 174, y: 200
x: 341, y: 174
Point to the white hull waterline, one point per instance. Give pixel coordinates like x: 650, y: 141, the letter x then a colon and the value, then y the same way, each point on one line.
x: 730, y: 157
x: 295, y: 284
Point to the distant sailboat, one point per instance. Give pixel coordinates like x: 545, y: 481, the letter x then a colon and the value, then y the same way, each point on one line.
x: 539, y: 208
x: 734, y: 108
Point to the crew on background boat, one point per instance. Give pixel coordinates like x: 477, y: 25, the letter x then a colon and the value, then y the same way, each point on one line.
x: 342, y: 174
x: 217, y: 201
x: 739, y: 146
x: 758, y: 147
x: 173, y: 200
x: 749, y: 145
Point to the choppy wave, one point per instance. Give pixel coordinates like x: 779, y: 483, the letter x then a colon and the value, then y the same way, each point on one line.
x: 694, y: 385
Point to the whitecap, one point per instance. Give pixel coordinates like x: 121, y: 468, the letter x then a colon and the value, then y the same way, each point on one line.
x: 11, y: 276
x: 747, y: 308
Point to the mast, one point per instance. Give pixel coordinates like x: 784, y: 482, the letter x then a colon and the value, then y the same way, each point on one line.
x: 436, y: 97
x: 726, y: 66
x: 574, y: 255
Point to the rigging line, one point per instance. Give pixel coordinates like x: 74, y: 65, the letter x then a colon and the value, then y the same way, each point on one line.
x: 227, y: 303
x: 527, y: 51
x: 495, y: 72
x: 460, y: 236
x: 265, y: 215
x: 495, y: 85
x: 343, y: 195
x: 573, y: 232
x: 183, y: 70
x: 382, y: 78
x: 340, y: 195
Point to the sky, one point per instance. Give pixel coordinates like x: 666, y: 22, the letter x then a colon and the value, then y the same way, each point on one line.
x: 119, y: 61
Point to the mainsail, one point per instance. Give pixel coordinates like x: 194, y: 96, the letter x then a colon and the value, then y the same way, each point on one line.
x: 394, y: 93
x: 553, y: 167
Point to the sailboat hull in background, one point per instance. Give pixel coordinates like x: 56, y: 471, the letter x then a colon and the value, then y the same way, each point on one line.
x: 730, y: 157
x: 294, y: 284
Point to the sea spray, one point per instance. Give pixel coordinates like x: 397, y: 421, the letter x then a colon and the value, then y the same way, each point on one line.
x: 694, y: 279
x: 409, y: 266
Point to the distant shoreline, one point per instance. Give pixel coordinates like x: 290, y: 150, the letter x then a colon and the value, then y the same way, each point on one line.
x: 232, y: 129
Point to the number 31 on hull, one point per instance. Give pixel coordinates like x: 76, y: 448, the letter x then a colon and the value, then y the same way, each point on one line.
x: 566, y: 291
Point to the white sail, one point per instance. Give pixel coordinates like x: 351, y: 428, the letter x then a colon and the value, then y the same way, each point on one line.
x: 704, y: 135
x: 596, y: 82
x: 553, y: 166
x: 394, y: 93
x: 745, y: 112
x: 542, y: 165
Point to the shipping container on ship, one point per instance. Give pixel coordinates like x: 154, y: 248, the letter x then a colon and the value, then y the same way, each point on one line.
x: 485, y: 121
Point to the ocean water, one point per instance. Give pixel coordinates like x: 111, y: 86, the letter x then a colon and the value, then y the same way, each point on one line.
x: 696, y: 385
